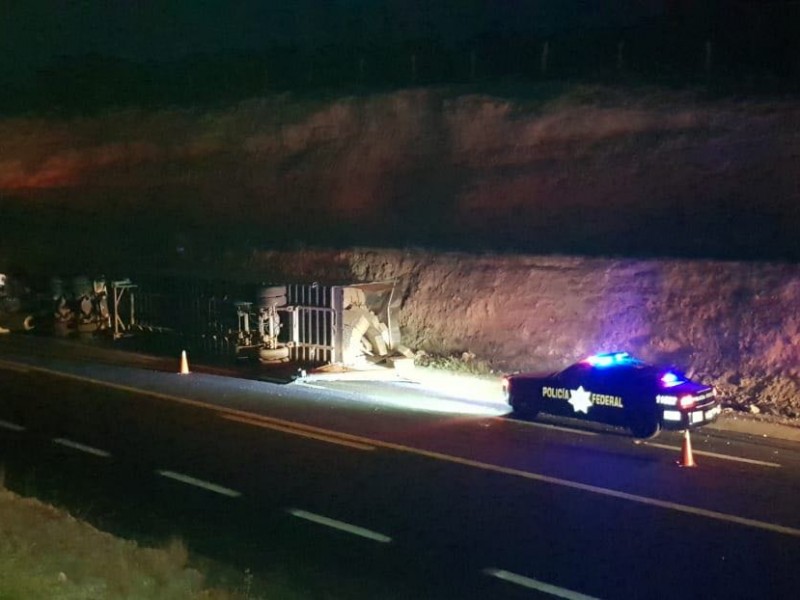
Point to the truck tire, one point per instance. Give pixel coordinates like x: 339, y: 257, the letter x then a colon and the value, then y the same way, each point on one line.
x: 273, y: 296
x: 62, y: 328
x: 273, y: 355
x: 18, y: 322
x: 87, y: 328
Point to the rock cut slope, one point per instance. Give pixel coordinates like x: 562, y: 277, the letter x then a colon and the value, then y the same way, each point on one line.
x: 735, y: 324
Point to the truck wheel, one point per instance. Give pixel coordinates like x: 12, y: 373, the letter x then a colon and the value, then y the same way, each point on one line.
x: 270, y: 297
x: 644, y: 426
x: 87, y: 328
x: 18, y: 322
x: 273, y: 355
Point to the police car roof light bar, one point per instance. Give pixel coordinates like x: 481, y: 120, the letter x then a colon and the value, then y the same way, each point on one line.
x: 670, y: 379
x: 608, y: 359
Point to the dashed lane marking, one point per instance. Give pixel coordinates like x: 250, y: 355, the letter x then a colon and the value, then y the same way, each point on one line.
x: 11, y: 426
x: 576, y: 485
x: 81, y: 447
x: 535, y: 584
x: 340, y: 525
x: 330, y: 439
x: 750, y: 461
x: 206, y: 485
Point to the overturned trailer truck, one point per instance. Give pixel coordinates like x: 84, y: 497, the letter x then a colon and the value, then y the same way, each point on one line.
x: 349, y: 325
x: 311, y: 324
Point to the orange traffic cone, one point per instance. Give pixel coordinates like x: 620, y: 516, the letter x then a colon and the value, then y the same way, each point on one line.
x: 184, y: 364
x: 687, y: 460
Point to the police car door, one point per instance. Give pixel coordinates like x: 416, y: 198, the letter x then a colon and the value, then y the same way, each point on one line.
x: 607, y: 387
x: 566, y: 395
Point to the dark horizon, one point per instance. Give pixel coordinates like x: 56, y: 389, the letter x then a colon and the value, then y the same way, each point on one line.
x: 665, y: 46
x: 35, y: 32
x: 39, y: 33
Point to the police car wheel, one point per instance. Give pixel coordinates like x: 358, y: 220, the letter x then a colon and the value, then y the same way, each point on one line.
x: 643, y: 426
x: 523, y: 408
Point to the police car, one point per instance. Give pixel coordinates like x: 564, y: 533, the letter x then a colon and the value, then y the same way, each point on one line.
x: 617, y: 389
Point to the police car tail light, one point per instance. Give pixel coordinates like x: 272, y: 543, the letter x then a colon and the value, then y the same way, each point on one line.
x: 686, y: 402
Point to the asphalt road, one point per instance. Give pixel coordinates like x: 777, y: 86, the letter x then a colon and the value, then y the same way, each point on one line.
x: 390, y: 490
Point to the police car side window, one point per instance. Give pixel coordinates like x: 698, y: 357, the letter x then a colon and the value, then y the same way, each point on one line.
x: 575, y: 375
x: 611, y: 376
x: 628, y: 379
x: 610, y: 379
x: 601, y: 378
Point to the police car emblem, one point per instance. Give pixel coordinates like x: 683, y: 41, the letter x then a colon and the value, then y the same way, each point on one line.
x: 580, y: 400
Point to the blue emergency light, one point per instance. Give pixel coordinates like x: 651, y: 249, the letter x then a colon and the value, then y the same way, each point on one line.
x: 609, y: 359
x: 670, y: 379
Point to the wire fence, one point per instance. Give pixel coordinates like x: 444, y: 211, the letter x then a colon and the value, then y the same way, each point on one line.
x: 646, y: 55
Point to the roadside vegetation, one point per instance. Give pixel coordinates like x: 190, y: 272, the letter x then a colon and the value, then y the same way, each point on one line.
x: 464, y: 364
x: 46, y: 553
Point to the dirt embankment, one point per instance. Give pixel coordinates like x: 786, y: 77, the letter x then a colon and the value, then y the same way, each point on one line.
x: 735, y: 324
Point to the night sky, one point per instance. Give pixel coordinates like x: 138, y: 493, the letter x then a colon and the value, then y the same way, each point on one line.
x: 39, y: 34
x: 35, y: 32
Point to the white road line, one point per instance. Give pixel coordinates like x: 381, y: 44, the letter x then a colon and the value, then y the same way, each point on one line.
x: 316, y: 387
x: 294, y: 431
x: 206, y: 485
x: 11, y: 426
x: 594, y: 489
x: 12, y: 366
x: 340, y: 525
x: 537, y: 585
x: 751, y: 461
x: 585, y: 487
x: 82, y: 447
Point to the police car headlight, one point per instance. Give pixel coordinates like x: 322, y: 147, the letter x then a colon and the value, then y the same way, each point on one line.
x: 686, y: 402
